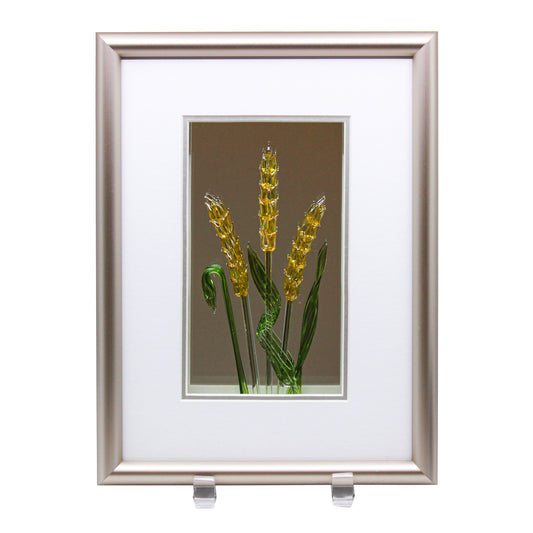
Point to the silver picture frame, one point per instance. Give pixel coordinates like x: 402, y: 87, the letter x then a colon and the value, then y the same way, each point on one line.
x: 111, y: 48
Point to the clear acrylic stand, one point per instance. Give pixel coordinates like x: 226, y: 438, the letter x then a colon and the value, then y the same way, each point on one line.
x: 204, y: 492
x: 342, y: 490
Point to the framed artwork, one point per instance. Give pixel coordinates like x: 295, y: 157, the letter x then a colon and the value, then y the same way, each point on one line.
x: 267, y: 257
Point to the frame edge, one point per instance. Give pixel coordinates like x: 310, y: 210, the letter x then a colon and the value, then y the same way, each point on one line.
x: 267, y: 473
x: 425, y: 258
x: 108, y: 260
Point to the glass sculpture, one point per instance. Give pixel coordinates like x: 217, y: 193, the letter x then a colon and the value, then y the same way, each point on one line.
x: 278, y: 359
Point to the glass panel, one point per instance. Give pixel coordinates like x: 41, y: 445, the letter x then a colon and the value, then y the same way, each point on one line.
x: 265, y: 256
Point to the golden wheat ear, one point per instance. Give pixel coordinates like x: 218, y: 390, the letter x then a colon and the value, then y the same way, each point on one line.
x: 301, y: 247
x: 220, y: 218
x: 268, y: 199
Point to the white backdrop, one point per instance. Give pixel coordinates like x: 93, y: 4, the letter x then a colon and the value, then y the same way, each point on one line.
x: 47, y: 327
x: 374, y: 422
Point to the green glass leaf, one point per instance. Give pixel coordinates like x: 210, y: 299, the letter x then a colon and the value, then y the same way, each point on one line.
x: 281, y: 360
x: 321, y: 261
x: 310, y: 314
x: 208, y: 288
x: 258, y: 272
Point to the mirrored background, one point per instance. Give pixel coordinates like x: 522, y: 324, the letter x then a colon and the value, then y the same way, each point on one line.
x: 224, y: 158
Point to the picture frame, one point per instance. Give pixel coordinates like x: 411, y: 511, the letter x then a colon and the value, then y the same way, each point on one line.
x: 113, y: 51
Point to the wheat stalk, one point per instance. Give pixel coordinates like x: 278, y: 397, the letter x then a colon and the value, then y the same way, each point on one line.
x: 301, y: 247
x: 268, y: 230
x: 220, y: 218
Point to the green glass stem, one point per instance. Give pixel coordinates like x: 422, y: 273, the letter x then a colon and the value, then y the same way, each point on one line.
x: 268, y: 291
x: 210, y: 295
x: 285, y: 341
x: 252, y: 354
x: 286, y: 325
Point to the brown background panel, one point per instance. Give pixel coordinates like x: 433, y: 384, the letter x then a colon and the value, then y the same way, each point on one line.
x: 225, y: 158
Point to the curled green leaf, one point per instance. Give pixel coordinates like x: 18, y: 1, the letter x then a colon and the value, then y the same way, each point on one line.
x: 209, y: 289
x: 210, y: 295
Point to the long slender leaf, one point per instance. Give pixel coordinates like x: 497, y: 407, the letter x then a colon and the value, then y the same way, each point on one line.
x: 258, y: 272
x: 310, y: 314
